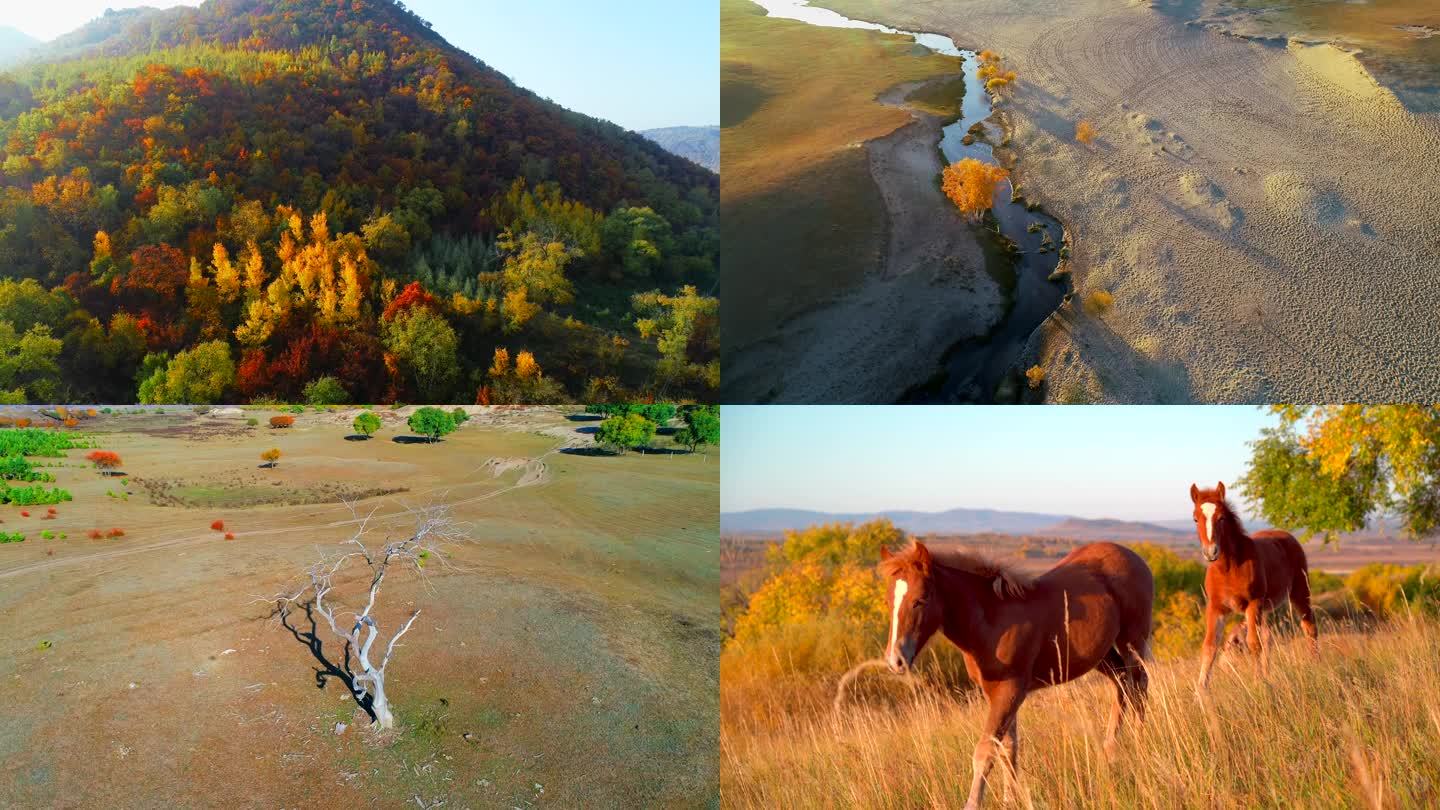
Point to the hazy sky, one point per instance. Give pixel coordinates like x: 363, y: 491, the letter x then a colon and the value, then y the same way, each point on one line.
x: 1131, y: 463
x: 639, y: 63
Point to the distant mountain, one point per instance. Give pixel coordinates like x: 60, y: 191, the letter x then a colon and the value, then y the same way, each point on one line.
x: 14, y: 44
x: 306, y: 190
x: 953, y: 521
x: 1107, y: 529
x: 697, y: 144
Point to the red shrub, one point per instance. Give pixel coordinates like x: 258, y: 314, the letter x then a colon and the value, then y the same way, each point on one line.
x: 229, y: 535
x: 116, y: 533
x: 24, y: 513
x: 218, y: 525
x: 95, y: 534
x: 51, y: 510
x: 104, y: 459
x: 281, y: 421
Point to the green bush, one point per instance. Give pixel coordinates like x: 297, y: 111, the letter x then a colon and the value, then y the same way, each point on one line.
x: 47, y: 535
x: 11, y: 537
x: 460, y: 416
x: 17, y: 468
x: 628, y: 432
x: 366, y: 423
x: 252, y: 421
x: 431, y: 422
x: 33, y: 495
x: 36, y: 442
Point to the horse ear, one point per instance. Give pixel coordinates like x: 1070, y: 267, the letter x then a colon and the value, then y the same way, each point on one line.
x: 1220, y: 487
x: 1194, y: 493
x: 922, y: 554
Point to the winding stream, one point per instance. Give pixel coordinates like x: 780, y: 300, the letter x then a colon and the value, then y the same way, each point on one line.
x: 972, y: 368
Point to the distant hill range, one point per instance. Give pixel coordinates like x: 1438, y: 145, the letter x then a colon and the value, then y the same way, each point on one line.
x: 994, y: 521
x: 15, y: 44
x: 696, y: 144
x: 963, y: 521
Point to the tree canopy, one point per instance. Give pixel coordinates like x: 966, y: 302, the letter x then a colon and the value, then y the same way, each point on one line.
x: 300, y: 181
x: 431, y: 422
x: 1327, y: 469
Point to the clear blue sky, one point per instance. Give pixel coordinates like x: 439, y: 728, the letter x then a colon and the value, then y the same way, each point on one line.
x: 639, y: 63
x: 1130, y: 463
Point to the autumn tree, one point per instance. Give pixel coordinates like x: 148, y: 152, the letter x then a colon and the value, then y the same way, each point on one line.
x: 537, y: 267
x: 523, y: 383
x: 198, y: 376
x: 1330, y: 468
x: 686, y: 328
x: 971, y: 184
x: 1085, y: 132
x: 271, y: 457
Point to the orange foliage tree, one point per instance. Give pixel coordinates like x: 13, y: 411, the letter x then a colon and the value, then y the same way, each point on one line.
x: 281, y: 421
x: 104, y: 460
x: 970, y: 184
x: 1085, y: 132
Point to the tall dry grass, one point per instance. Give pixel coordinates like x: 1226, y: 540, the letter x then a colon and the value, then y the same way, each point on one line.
x: 1357, y: 727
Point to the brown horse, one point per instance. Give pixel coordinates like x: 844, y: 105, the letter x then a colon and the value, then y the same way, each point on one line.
x: 1247, y: 574
x: 1091, y: 611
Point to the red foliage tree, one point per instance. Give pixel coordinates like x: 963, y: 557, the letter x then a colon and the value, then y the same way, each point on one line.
x: 414, y: 295
x: 281, y: 421
x: 104, y: 460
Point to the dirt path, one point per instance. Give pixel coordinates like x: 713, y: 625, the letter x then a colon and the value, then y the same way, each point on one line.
x: 1263, y: 216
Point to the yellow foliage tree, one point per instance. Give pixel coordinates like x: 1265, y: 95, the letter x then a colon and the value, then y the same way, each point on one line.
x: 970, y: 184
x: 1085, y: 132
x: 227, y: 275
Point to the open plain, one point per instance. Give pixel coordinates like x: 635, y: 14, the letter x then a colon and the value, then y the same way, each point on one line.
x: 565, y: 653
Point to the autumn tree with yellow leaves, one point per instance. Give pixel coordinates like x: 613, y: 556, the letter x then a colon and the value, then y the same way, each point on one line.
x: 971, y: 184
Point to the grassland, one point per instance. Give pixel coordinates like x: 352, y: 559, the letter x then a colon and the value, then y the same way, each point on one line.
x: 574, y: 642
x: 802, y: 219
x: 1357, y: 727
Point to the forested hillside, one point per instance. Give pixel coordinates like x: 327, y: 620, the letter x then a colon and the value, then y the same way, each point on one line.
x: 234, y: 201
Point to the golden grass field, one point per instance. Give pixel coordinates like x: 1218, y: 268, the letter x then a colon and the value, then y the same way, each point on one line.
x: 802, y: 220
x: 574, y: 640
x: 1359, y: 727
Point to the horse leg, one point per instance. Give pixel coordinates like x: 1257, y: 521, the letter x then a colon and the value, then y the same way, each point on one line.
x: 1214, y: 629
x: 1010, y: 746
x: 1137, y: 682
x: 1300, y: 600
x: 1005, y: 701
x: 1111, y: 668
x: 1254, y: 629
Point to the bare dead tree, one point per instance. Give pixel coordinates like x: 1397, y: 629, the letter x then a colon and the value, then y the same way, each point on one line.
x: 433, y: 531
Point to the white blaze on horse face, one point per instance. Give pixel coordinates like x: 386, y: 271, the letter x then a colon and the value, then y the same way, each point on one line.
x: 901, y: 586
x: 1208, y: 509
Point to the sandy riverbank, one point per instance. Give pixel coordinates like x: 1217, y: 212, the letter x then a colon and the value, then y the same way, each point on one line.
x: 1267, y: 218
x: 930, y: 290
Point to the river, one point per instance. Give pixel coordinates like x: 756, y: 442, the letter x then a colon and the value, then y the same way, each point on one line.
x: 973, y: 368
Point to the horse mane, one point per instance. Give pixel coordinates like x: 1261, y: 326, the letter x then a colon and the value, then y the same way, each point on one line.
x: 1006, y: 579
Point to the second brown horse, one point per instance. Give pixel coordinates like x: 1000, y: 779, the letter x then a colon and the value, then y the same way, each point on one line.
x: 1249, y: 574
x: 1091, y: 611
